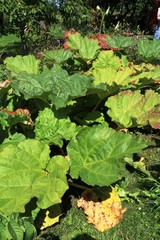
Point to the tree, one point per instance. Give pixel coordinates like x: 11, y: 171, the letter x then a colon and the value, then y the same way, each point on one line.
x: 25, y: 17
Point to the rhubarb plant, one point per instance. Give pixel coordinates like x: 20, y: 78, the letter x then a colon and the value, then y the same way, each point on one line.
x: 59, y: 121
x: 131, y: 108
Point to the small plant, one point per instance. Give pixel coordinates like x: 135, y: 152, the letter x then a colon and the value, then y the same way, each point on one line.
x: 16, y: 227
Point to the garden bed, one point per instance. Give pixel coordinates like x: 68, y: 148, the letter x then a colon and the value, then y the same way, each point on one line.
x: 80, y: 141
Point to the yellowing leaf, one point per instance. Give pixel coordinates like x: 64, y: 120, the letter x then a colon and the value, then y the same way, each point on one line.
x: 131, y: 108
x: 49, y: 221
x: 109, y: 76
x: 103, y: 215
x: 52, y: 216
x: 28, y: 64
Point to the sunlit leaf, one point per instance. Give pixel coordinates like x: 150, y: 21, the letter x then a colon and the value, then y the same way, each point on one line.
x: 20, y: 64
x: 58, y: 56
x: 110, y: 76
x: 146, y: 75
x: 154, y: 117
x: 52, y: 216
x: 131, y: 108
x: 120, y: 41
x: 27, y: 171
x: 87, y: 48
x: 107, y: 59
x: 54, y: 84
x: 97, y: 154
x: 57, y: 129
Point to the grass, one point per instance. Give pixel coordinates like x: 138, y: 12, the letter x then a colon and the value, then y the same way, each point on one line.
x: 138, y: 223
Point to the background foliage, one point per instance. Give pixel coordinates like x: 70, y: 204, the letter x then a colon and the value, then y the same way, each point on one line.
x: 41, y: 21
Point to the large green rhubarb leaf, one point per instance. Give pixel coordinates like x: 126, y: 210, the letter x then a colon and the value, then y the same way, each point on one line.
x: 34, y: 85
x: 27, y: 171
x: 131, y: 108
x: 58, y: 56
x: 120, y: 41
x: 97, y: 154
x: 12, y: 139
x: 107, y: 59
x: 57, y: 129
x: 68, y: 87
x: 55, y: 84
x: 108, y: 69
x: 110, y: 73
x: 20, y: 64
x: 110, y: 76
x: 146, y: 75
x: 87, y: 48
x: 149, y: 50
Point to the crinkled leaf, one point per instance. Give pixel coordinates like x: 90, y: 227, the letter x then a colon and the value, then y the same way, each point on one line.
x: 107, y: 59
x: 20, y: 64
x: 4, y: 234
x: 131, y: 108
x: 50, y: 129
x: 143, y: 67
x: 149, y: 50
x: 120, y: 41
x: 110, y: 76
x: 87, y: 48
x: 68, y: 87
x: 96, y: 154
x: 26, y: 171
x: 34, y: 86
x: 55, y: 84
x: 146, y: 76
x: 110, y: 73
x: 13, y: 139
x: 58, y: 56
x: 154, y: 117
